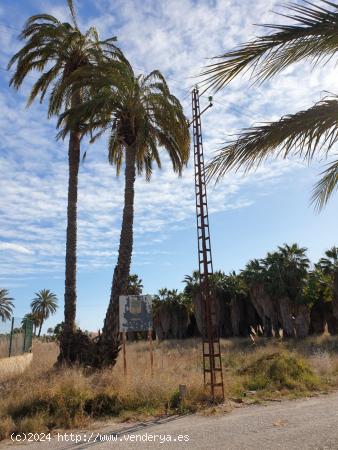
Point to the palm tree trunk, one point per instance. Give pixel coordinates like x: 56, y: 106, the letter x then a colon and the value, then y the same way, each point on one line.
x: 335, y: 294
x: 43, y: 315
x: 40, y: 328
x: 71, y: 239
x: 110, y: 332
x: 70, y: 280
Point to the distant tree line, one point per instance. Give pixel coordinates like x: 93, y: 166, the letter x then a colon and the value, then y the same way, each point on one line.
x: 279, y: 295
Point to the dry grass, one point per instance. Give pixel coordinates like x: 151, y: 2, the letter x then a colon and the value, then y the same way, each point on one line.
x: 11, y: 367
x: 46, y: 398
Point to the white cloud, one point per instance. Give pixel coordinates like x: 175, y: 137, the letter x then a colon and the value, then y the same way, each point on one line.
x: 15, y: 248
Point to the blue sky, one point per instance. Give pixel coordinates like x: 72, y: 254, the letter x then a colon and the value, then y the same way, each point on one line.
x: 249, y: 215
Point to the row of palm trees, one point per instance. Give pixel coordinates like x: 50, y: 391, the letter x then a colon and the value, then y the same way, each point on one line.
x: 279, y: 292
x: 92, y: 89
x: 43, y: 305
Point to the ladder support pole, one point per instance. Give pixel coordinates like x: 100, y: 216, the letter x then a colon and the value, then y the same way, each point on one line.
x: 210, y: 332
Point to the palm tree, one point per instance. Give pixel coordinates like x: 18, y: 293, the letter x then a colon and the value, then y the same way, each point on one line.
x: 256, y: 278
x: 141, y: 115
x: 56, y: 50
x: 276, y: 285
x: 6, y: 305
x: 44, y: 305
x: 287, y: 270
x: 192, y: 284
x: 329, y: 264
x: 35, y: 318
x: 135, y: 285
x: 304, y: 134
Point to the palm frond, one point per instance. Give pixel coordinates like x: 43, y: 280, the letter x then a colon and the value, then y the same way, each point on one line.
x: 313, y: 36
x: 139, y: 110
x: 326, y: 186
x: 301, y: 134
x: 72, y: 12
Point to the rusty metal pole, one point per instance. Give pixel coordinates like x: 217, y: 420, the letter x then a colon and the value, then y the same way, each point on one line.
x: 212, y: 362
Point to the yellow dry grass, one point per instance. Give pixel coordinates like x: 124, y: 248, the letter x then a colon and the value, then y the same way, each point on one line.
x: 11, y: 367
x: 46, y: 398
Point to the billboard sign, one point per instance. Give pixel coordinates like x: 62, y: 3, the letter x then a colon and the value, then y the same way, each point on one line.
x: 135, y: 312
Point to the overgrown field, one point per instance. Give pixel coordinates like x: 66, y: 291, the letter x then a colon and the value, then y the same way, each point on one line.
x: 45, y: 398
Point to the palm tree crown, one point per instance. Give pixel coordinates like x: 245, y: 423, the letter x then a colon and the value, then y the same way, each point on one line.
x: 281, y: 273
x: 329, y: 264
x: 304, y: 134
x: 6, y: 305
x: 135, y: 285
x: 56, y: 49
x: 137, y: 111
x: 43, y: 305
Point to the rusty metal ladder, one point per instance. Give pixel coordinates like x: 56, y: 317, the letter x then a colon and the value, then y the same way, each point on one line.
x: 212, y: 361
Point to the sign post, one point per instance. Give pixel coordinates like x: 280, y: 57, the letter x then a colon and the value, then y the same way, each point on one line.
x: 150, y: 339
x: 124, y: 352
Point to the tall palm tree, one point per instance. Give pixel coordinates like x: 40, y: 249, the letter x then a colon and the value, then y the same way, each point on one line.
x: 44, y: 305
x: 6, y: 305
x: 308, y: 133
x: 276, y: 285
x: 56, y: 50
x: 141, y: 115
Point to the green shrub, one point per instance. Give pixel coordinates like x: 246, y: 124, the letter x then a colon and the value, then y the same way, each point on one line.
x: 103, y: 404
x: 175, y: 400
x: 280, y: 371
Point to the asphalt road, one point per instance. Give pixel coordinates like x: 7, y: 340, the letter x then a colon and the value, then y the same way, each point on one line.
x: 298, y: 424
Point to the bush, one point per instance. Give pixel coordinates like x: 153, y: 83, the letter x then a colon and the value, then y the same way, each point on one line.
x: 280, y: 371
x: 103, y: 404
